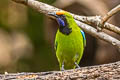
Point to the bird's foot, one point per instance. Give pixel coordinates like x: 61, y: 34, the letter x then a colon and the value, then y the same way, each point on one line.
x: 62, y: 68
x: 77, y: 65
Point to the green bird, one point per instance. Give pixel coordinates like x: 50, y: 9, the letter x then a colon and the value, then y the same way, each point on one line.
x: 69, y: 42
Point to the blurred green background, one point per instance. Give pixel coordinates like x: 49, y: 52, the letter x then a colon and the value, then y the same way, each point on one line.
x: 27, y: 37
x: 28, y: 24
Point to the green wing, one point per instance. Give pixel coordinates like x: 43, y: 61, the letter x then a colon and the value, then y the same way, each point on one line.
x: 55, y: 46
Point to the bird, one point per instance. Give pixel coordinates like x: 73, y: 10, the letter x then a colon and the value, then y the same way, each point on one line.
x: 70, y: 41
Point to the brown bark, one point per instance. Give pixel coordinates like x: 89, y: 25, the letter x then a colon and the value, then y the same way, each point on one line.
x: 109, y: 71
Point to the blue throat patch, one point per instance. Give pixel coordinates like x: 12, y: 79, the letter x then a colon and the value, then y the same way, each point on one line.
x: 61, y: 22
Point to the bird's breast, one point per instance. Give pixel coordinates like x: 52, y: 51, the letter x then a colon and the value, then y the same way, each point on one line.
x: 71, y: 42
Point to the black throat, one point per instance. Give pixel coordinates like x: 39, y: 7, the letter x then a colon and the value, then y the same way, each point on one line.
x: 65, y: 29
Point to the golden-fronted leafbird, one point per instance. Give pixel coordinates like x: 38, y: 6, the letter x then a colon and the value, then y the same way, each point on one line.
x: 69, y: 42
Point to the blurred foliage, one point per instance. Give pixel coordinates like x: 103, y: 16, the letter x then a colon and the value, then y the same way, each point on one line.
x: 43, y: 57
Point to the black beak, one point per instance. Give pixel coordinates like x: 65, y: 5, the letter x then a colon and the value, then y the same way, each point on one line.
x: 53, y: 14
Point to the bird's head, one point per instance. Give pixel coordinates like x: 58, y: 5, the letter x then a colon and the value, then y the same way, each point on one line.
x: 60, y: 17
x: 63, y: 18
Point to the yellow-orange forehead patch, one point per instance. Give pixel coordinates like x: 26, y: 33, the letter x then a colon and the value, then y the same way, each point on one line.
x: 60, y: 13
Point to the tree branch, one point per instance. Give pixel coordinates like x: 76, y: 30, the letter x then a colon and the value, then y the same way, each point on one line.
x: 100, y: 35
x: 45, y: 9
x: 97, y: 21
x: 110, y: 14
x: 100, y: 72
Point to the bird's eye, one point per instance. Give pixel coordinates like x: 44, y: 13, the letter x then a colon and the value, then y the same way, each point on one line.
x: 62, y: 17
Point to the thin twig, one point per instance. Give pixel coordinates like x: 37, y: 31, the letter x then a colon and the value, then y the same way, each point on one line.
x: 45, y: 9
x: 107, y: 16
x: 110, y: 14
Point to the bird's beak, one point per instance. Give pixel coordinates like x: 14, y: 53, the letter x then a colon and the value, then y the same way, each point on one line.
x: 53, y: 14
